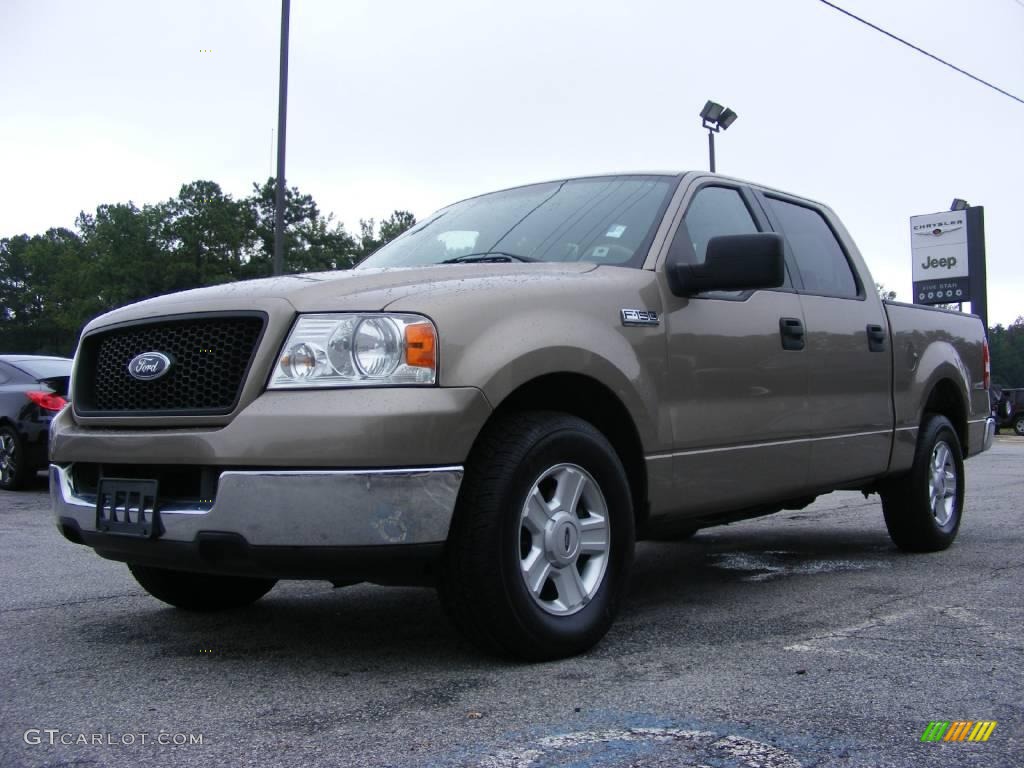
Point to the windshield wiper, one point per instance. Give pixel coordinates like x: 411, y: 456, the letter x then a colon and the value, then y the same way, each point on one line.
x: 487, y: 256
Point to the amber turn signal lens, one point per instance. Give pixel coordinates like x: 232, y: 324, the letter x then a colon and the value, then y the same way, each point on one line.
x: 420, y: 345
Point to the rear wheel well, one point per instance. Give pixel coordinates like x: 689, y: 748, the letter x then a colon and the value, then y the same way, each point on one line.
x: 945, y: 399
x: 588, y: 399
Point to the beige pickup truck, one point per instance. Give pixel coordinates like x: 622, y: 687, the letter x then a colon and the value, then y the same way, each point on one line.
x: 506, y: 397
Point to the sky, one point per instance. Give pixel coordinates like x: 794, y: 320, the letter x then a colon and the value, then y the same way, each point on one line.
x: 397, y: 104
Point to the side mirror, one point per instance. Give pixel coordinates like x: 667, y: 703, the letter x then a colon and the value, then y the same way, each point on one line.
x: 733, y: 263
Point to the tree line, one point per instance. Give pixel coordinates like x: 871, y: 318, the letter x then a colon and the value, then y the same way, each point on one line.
x: 1006, y: 346
x: 52, y: 284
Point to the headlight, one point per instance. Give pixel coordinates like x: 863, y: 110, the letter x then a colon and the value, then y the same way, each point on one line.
x: 357, y: 350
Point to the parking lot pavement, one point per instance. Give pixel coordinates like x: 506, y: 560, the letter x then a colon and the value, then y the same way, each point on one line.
x: 803, y: 639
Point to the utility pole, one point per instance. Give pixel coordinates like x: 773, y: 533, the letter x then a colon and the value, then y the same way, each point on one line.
x: 282, y: 119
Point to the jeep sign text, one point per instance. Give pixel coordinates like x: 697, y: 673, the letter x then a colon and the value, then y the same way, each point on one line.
x: 945, y: 263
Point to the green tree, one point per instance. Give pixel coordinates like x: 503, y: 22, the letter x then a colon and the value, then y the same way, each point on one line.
x: 206, y: 235
x: 15, y: 281
x: 371, y: 237
x: 883, y: 294
x: 394, y: 225
x: 19, y: 298
x: 1007, y: 349
x: 312, y: 242
x: 43, y: 297
x: 123, y: 251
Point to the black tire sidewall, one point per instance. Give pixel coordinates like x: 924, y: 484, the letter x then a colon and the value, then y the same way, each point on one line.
x: 20, y: 474
x: 582, y: 629
x: 1018, y: 425
x: 906, y: 502
x: 939, y: 429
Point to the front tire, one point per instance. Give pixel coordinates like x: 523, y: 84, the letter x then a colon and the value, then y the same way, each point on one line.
x: 541, y: 543
x: 200, y: 591
x: 923, y: 508
x: 1018, y: 425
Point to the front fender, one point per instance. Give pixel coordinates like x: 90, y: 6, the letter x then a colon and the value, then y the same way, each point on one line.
x: 504, y: 359
x: 498, y: 334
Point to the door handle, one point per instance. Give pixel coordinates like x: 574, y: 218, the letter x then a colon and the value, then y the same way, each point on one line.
x: 792, y: 332
x: 876, y: 338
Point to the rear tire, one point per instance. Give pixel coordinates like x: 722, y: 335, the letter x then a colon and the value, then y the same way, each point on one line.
x: 541, y: 542
x: 1018, y: 425
x: 14, y: 469
x: 924, y: 507
x: 200, y: 591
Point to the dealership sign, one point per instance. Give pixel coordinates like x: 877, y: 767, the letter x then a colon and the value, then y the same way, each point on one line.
x: 938, y: 243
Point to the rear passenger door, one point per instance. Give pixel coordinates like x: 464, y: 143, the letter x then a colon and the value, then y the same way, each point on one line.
x: 847, y: 346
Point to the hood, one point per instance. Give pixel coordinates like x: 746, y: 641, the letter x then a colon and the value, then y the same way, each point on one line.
x: 364, y: 290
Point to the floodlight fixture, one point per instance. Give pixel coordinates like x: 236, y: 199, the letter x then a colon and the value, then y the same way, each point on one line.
x: 959, y: 205
x: 711, y: 112
x: 727, y: 118
x: 715, y: 118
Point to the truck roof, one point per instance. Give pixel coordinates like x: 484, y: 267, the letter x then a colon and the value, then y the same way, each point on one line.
x: 664, y: 173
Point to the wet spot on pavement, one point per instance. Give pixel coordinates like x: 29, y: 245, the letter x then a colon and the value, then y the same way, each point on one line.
x: 764, y: 566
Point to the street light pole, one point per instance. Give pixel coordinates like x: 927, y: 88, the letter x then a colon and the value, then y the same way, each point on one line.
x: 711, y: 148
x: 282, y: 119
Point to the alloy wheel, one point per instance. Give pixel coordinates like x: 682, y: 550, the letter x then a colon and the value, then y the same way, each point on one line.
x: 564, y: 539
x: 8, y: 458
x: 942, y: 490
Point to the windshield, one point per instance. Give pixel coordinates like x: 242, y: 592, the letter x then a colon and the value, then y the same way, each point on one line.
x: 605, y: 220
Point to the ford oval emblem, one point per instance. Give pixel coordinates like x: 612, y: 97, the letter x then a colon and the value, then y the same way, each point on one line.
x: 149, y: 366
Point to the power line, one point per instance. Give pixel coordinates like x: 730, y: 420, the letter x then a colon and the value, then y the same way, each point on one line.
x: 922, y: 50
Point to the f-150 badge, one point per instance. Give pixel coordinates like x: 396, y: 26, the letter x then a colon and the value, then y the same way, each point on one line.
x: 639, y: 317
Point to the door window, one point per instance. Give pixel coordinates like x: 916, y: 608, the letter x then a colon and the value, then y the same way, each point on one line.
x: 818, y: 254
x: 714, y: 211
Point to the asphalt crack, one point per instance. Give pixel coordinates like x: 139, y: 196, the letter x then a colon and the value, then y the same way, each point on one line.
x: 83, y: 601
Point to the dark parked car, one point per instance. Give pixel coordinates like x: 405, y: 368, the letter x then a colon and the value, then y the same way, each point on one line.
x: 32, y: 390
x: 1010, y: 411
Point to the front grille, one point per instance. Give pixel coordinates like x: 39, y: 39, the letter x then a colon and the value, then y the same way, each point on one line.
x: 210, y: 356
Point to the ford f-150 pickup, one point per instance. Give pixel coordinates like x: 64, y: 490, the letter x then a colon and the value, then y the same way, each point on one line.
x: 503, y: 399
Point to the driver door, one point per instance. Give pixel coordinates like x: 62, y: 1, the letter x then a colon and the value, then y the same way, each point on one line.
x: 738, y: 396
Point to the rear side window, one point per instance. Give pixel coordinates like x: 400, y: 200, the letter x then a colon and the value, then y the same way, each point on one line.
x: 715, y: 211
x: 821, y: 260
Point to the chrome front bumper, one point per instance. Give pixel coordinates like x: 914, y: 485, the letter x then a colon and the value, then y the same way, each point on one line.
x: 301, y: 508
